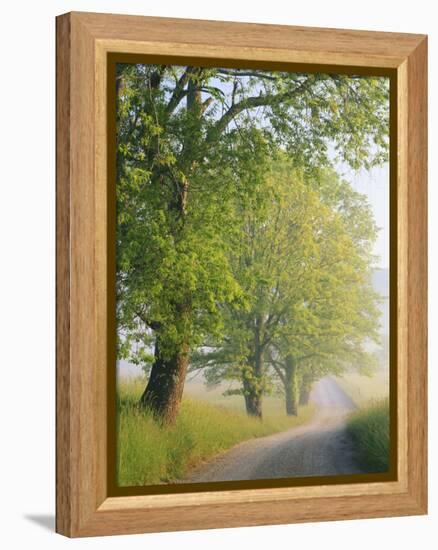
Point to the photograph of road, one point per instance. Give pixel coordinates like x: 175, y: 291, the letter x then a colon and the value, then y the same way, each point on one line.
x: 319, y: 445
x: 252, y: 274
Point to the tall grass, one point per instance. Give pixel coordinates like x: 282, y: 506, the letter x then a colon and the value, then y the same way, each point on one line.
x: 363, y: 389
x: 149, y: 454
x: 369, y: 428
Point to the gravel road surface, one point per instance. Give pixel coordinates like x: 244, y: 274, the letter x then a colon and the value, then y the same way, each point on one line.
x: 318, y: 448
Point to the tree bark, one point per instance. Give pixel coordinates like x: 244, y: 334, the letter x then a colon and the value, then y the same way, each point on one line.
x: 253, y: 384
x: 164, y: 390
x: 305, y: 389
x: 291, y: 387
x: 253, y: 399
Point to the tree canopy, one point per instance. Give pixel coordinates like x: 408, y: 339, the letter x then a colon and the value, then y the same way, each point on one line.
x: 305, y: 273
x: 196, y: 149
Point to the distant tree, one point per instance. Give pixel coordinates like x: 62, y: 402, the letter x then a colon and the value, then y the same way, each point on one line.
x: 305, y: 270
x: 344, y: 311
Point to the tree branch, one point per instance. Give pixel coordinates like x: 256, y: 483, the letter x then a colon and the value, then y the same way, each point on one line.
x: 276, y: 366
x: 179, y: 92
x: 154, y: 325
x: 256, y: 74
x: 253, y: 102
x: 206, y: 104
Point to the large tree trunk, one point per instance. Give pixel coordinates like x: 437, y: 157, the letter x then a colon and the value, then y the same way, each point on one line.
x: 305, y: 389
x: 291, y: 386
x: 164, y: 389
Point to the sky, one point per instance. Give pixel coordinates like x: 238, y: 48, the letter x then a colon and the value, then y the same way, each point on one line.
x: 375, y: 185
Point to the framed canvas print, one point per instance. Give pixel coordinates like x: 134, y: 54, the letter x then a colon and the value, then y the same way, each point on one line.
x: 241, y: 274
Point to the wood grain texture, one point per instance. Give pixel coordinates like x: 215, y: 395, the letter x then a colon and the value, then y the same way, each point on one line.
x: 417, y: 274
x: 83, y: 41
x: 63, y: 411
x: 400, y: 263
x: 230, y: 39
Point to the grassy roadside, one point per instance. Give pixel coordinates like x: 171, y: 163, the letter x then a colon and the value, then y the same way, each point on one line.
x: 365, y: 389
x: 369, y: 425
x: 149, y: 454
x: 369, y: 428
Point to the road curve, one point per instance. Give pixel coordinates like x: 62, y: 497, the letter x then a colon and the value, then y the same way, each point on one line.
x: 318, y: 448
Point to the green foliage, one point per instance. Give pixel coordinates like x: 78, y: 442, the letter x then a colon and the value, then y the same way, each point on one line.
x: 341, y: 316
x: 369, y: 429
x: 194, y: 142
x: 303, y: 263
x: 149, y: 454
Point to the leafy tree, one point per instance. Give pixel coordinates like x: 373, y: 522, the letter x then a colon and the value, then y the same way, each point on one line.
x: 305, y: 269
x: 343, y: 312
x: 190, y: 141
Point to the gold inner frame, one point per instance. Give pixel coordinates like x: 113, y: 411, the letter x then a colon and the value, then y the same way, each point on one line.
x: 393, y: 481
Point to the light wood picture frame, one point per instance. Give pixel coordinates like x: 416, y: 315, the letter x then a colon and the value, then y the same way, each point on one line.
x: 85, y: 44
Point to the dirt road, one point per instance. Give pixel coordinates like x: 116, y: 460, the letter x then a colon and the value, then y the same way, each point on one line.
x: 319, y: 447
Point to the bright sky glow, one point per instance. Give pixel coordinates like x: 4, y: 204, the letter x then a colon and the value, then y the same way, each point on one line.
x: 375, y: 185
